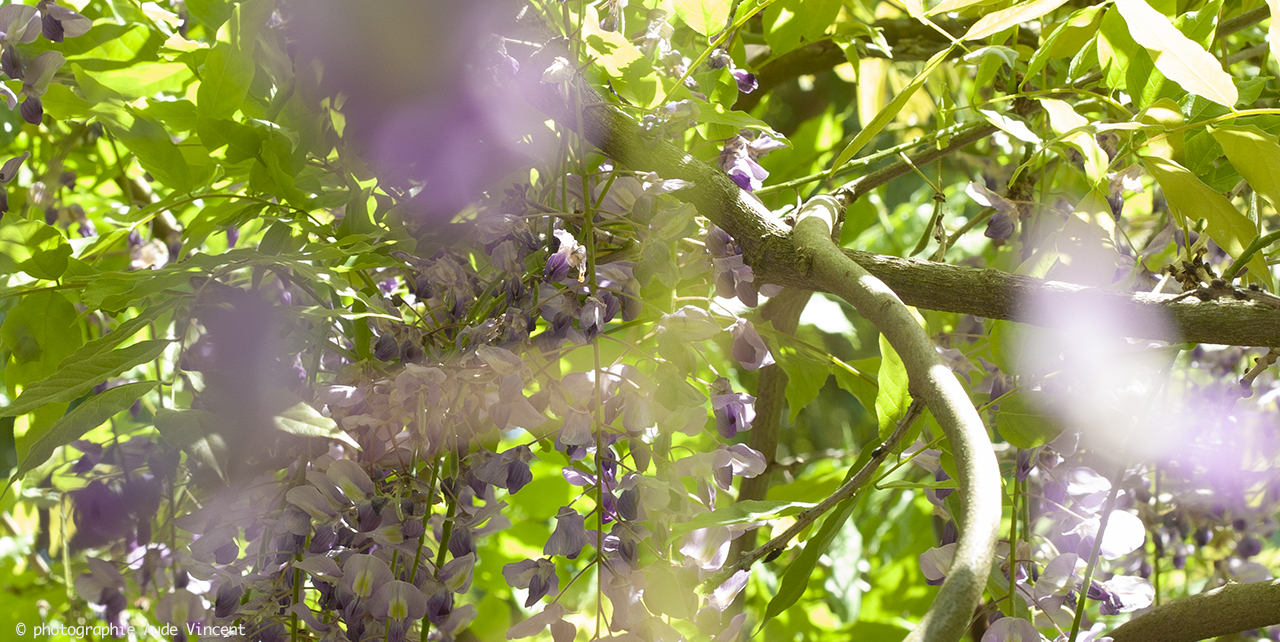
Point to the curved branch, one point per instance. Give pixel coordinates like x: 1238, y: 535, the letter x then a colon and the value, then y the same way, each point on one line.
x: 933, y: 383
x: 1222, y: 611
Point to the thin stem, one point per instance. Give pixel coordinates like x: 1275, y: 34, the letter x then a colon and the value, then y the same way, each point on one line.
x: 1097, y: 546
x: 846, y: 490
x: 1237, y: 266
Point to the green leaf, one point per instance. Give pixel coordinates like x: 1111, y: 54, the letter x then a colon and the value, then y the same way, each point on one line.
x: 229, y: 67
x: 1012, y: 126
x: 715, y: 114
x: 892, y: 397
x: 1067, y: 39
x: 997, y: 21
x: 211, y: 13
x: 703, y: 16
x: 40, y: 332
x: 805, y: 377
x: 48, y: 264
x: 304, y: 421
x: 787, y: 23
x: 182, y: 428
x: 1255, y: 154
x: 1192, y: 200
x: 143, y: 80
x: 795, y: 580
x: 85, y: 417
x: 739, y: 513
x: 75, y: 378
x: 1179, y: 58
x: 155, y: 151
x: 1273, y: 29
x: 890, y: 111
x: 853, y: 379
x: 1129, y: 66
x: 670, y: 591
x: 1063, y: 118
x: 20, y: 240
x: 1022, y: 423
x: 947, y: 6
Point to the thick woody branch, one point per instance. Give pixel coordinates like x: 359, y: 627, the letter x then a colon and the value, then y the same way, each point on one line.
x: 934, y: 286
x: 1222, y: 611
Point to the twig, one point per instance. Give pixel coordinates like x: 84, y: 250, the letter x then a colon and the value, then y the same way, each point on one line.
x: 846, y: 490
x: 1237, y: 265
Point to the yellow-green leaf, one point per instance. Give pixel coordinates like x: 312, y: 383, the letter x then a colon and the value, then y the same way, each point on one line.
x: 1255, y: 154
x: 892, y: 397
x: 1179, y: 58
x: 1273, y: 29
x: 1022, y: 423
x: 891, y: 110
x: 703, y: 16
x: 998, y: 21
x: 1190, y: 199
x: 1063, y: 119
x: 86, y: 416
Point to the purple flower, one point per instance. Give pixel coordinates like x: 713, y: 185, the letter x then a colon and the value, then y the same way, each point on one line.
x: 400, y: 604
x: 539, y: 576
x: 59, y: 22
x: 1026, y: 462
x: 227, y: 600
x: 733, y: 410
x: 570, y: 534
x: 936, y: 562
x: 569, y: 254
x: 1011, y: 629
x: 1122, y: 594
x: 746, y: 80
x: 740, y: 164
x: 92, y: 455
x: 748, y: 347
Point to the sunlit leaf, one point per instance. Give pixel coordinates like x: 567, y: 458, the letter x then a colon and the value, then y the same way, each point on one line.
x: 1066, y: 39
x: 805, y: 377
x: 892, y: 397
x: 740, y: 513
x: 703, y: 16
x: 1064, y: 119
x: 302, y: 420
x: 1179, y: 58
x: 1191, y: 200
x: 75, y: 378
x: 998, y: 21
x: 890, y: 111
x: 1255, y: 154
x: 1011, y: 126
x: 85, y: 417
x: 229, y: 66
